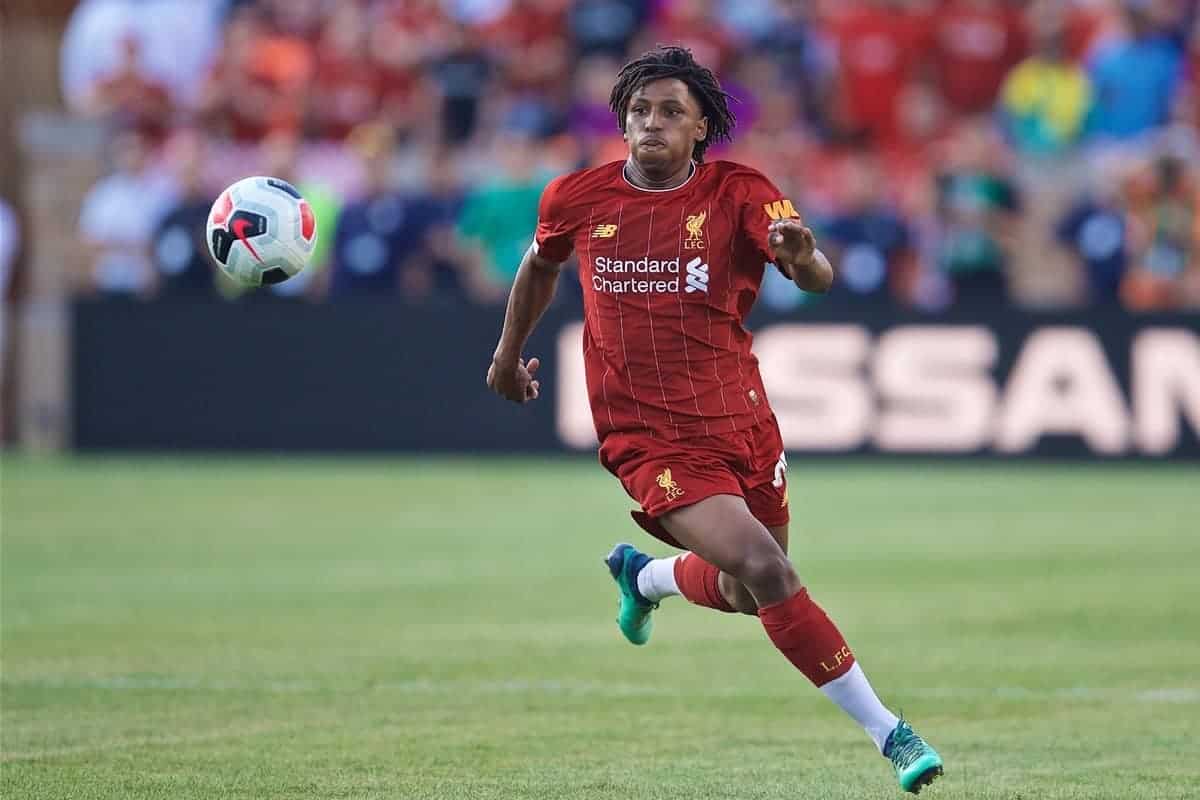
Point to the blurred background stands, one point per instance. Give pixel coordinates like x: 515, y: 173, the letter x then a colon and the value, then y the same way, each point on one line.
x: 1041, y: 153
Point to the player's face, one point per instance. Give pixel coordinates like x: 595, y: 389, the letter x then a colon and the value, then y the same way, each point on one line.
x: 662, y: 124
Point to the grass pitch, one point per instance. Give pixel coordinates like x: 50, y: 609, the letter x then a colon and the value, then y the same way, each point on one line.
x: 272, y: 628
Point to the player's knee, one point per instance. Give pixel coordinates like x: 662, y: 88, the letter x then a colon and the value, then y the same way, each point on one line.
x: 765, y: 572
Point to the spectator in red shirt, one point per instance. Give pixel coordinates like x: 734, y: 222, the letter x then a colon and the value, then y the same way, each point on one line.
x: 976, y: 43
x: 879, y: 45
x: 692, y: 24
x: 529, y: 42
x: 129, y: 97
x: 258, y: 85
x: 349, y: 86
x: 406, y: 37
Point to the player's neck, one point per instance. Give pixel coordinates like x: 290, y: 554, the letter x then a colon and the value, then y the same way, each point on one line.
x: 639, y: 178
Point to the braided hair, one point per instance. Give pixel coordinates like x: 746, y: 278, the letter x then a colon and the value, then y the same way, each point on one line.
x: 677, y: 62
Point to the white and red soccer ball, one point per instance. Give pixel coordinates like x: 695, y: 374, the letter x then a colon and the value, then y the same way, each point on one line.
x: 261, y: 231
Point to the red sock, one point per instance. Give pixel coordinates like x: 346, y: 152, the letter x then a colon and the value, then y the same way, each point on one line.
x: 809, y: 639
x: 697, y: 581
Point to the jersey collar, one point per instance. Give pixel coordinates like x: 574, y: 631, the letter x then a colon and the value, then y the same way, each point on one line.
x: 631, y: 184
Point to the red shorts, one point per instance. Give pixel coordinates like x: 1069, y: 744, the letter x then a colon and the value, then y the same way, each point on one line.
x: 664, y: 475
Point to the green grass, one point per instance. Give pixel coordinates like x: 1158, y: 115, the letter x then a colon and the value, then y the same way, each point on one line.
x: 443, y: 629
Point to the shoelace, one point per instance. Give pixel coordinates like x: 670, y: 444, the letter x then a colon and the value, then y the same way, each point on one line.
x: 907, y: 747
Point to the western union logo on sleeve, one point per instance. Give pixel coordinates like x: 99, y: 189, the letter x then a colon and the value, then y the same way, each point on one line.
x: 780, y: 209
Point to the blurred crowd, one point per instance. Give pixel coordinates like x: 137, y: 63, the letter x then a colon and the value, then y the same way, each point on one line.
x: 1037, y: 152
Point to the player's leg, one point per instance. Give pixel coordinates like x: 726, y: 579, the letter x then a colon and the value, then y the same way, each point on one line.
x: 751, y: 464
x: 661, y: 476
x: 762, y: 478
x: 734, y: 592
x: 722, y: 531
x: 689, y: 575
x: 760, y: 465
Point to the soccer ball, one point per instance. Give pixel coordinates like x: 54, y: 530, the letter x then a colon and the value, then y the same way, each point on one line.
x: 261, y: 231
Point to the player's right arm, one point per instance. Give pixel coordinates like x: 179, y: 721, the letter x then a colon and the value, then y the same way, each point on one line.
x: 533, y: 288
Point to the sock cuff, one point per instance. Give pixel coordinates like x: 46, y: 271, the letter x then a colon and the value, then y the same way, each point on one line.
x: 698, y: 581
x: 775, y: 610
x: 807, y: 637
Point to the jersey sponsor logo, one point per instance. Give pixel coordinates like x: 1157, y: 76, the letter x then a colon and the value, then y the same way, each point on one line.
x: 695, y: 229
x: 641, y: 265
x: 669, y: 485
x: 697, y: 276
x: 604, y: 232
x: 645, y: 275
x: 780, y: 209
x: 649, y: 275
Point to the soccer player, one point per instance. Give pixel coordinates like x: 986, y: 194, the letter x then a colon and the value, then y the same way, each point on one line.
x: 671, y: 254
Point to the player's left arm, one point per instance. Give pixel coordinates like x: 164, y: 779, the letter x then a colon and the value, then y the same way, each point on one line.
x: 775, y: 232
x: 795, y: 253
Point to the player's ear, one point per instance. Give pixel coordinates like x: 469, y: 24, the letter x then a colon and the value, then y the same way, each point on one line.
x: 702, y: 129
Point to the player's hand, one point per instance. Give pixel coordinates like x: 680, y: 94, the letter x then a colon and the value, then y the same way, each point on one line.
x: 514, y: 381
x: 792, y: 244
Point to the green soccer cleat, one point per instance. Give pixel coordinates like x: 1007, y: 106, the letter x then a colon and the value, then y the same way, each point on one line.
x: 633, y: 617
x: 916, y: 763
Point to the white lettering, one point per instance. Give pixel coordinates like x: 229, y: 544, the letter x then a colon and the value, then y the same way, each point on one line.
x: 936, y: 392
x: 602, y: 284
x: 813, y: 377
x: 1062, y: 384
x: 1166, y: 386
x: 644, y: 265
x: 935, y: 388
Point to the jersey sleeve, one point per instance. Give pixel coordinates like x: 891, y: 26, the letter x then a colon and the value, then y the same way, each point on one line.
x: 763, y: 203
x: 553, y: 238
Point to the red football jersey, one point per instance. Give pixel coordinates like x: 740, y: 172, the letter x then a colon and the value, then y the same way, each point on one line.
x: 668, y: 278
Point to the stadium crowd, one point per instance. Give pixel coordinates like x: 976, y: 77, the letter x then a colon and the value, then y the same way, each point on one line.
x: 1043, y: 153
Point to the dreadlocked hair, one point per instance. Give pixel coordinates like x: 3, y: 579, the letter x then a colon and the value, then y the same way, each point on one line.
x: 677, y: 62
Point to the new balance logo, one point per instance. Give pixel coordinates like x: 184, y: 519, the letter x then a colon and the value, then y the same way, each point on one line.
x: 780, y: 209
x: 697, y: 276
x: 604, y: 231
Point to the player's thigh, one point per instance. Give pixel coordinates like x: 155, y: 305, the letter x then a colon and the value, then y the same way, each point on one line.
x: 780, y: 534
x: 763, y: 480
x: 721, y: 530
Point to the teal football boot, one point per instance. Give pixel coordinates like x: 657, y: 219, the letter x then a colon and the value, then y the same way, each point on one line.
x: 916, y: 763
x: 633, y: 615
